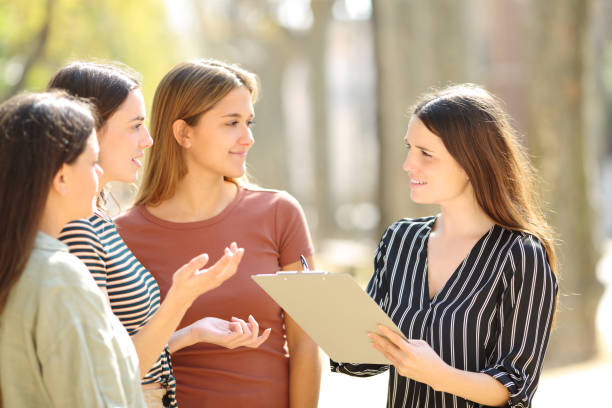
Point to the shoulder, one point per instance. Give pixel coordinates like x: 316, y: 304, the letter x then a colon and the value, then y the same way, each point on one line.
x: 58, y: 270
x: 411, y: 227
x: 527, y: 258
x: 129, y: 218
x: 277, y: 199
x: 87, y: 228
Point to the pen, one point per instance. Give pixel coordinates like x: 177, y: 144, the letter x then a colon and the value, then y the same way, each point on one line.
x: 304, y: 263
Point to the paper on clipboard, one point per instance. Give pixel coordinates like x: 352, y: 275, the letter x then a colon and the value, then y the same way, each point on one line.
x: 335, y: 312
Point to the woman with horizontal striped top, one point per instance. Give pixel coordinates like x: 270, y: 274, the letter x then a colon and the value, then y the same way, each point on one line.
x: 473, y: 289
x: 132, y: 291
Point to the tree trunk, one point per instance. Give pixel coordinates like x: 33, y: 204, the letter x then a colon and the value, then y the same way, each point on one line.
x: 419, y: 45
x: 317, y: 41
x: 559, y: 144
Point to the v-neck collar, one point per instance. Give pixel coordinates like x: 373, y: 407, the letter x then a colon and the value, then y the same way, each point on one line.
x: 454, y: 276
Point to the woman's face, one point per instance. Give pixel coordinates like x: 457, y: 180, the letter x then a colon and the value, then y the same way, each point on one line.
x: 220, y: 140
x: 123, y: 139
x: 81, y: 179
x: 435, y: 176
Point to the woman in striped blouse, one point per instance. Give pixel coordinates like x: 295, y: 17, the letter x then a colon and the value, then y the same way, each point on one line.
x: 132, y: 291
x: 472, y: 289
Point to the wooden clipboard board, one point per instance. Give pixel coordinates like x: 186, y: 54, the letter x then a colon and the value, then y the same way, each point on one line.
x: 331, y: 307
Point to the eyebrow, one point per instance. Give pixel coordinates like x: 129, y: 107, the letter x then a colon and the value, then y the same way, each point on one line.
x: 138, y: 118
x: 419, y: 147
x: 236, y: 115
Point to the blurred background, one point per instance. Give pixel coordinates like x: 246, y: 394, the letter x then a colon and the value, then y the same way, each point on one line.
x: 338, y: 78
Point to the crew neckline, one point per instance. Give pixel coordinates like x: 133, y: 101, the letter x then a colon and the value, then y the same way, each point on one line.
x: 194, y: 224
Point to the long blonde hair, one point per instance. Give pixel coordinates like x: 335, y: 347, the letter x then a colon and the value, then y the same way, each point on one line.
x: 476, y: 131
x: 189, y: 90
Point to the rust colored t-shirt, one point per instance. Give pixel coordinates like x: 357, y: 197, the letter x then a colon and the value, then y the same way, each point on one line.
x: 271, y: 226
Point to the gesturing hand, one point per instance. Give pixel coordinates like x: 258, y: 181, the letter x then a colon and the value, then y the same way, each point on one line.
x: 228, y: 334
x: 190, y: 281
x: 411, y: 358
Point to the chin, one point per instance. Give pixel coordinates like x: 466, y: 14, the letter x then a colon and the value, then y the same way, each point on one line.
x: 235, y: 174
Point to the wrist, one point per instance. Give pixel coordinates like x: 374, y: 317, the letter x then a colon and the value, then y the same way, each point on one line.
x: 443, y: 377
x: 178, y: 300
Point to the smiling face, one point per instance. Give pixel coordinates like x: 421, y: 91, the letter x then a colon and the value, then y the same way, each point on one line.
x: 123, y: 139
x: 219, y: 141
x: 435, y: 176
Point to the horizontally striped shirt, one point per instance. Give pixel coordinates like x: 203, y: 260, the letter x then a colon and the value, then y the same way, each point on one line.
x: 493, y: 315
x: 132, y: 290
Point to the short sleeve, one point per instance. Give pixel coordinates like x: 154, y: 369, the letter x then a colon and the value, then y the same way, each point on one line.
x: 84, y: 243
x: 86, y: 357
x: 526, y: 313
x: 378, y: 290
x: 291, y: 230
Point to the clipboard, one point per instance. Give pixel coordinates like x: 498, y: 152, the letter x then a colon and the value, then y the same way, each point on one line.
x: 331, y: 307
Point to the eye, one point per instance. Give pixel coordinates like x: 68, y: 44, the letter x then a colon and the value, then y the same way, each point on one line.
x: 407, y: 145
x: 233, y: 123
x: 250, y: 123
x: 137, y: 126
x: 425, y: 153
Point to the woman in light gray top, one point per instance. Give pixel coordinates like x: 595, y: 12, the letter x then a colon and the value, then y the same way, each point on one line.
x: 60, y: 344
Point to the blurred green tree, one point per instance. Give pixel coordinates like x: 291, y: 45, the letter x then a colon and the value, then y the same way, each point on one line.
x: 38, y: 36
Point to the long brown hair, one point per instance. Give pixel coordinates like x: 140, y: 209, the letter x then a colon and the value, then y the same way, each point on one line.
x: 477, y: 132
x: 106, y: 85
x: 38, y: 134
x: 188, y: 91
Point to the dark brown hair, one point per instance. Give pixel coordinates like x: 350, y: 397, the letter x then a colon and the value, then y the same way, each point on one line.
x: 38, y: 134
x: 188, y: 91
x: 477, y: 132
x: 105, y: 85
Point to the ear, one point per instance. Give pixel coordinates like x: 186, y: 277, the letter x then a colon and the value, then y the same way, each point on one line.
x: 60, y: 182
x: 181, y: 133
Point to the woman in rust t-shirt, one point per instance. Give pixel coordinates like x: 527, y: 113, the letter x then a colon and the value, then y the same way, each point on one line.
x: 194, y: 198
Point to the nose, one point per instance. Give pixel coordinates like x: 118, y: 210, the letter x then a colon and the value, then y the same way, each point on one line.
x: 408, y: 165
x: 146, y: 140
x: 246, y: 138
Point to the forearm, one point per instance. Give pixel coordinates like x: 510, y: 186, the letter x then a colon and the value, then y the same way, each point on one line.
x: 477, y: 387
x: 180, y: 339
x: 150, y: 341
x: 304, y: 375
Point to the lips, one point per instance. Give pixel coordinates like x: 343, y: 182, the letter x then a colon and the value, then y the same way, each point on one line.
x: 137, y: 162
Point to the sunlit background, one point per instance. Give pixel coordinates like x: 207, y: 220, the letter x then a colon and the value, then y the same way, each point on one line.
x: 338, y: 79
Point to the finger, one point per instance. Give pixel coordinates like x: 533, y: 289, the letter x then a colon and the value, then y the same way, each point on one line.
x: 238, y: 327
x: 254, y: 326
x: 194, y: 265
x: 245, y: 328
x: 389, y: 347
x: 232, y: 267
x: 235, y: 327
x: 233, y: 247
x: 219, y: 267
x: 393, y: 336
x: 262, y: 339
x: 391, y: 353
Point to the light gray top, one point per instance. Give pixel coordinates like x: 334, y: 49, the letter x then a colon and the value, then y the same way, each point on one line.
x: 60, y: 344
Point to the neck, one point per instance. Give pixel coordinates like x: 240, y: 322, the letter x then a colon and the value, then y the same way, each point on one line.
x: 51, y: 223
x: 198, y: 197
x: 463, y: 217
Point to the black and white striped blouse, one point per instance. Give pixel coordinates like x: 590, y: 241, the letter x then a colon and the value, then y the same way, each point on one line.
x: 132, y: 290
x: 493, y: 315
